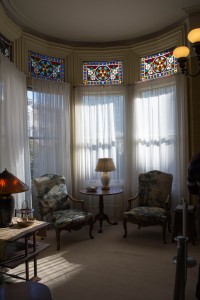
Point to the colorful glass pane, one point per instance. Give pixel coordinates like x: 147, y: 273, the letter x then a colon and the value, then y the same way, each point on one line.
x: 45, y: 67
x: 158, y: 65
x: 6, y: 46
x: 102, y: 72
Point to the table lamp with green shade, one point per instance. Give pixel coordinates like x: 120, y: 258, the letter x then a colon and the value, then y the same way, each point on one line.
x: 9, y: 184
x: 105, y: 165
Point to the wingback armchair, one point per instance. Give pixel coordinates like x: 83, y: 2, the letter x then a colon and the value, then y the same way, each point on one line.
x: 57, y: 207
x: 153, y: 202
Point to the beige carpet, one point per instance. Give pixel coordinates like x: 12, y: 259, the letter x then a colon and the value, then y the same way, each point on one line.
x: 110, y: 267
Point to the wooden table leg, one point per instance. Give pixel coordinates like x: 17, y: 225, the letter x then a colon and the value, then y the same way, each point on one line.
x: 101, y: 216
x: 35, y: 278
x: 26, y: 254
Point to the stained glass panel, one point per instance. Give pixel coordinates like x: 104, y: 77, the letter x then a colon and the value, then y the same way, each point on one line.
x: 102, y: 72
x: 6, y: 46
x: 158, y: 65
x: 45, y: 67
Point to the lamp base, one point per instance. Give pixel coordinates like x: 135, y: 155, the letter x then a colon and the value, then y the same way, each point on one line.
x: 105, y: 180
x: 105, y: 188
x: 6, y: 210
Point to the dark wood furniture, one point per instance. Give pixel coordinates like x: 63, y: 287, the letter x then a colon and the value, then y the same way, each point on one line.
x: 25, y: 291
x: 101, y: 194
x: 19, y: 245
x: 178, y: 223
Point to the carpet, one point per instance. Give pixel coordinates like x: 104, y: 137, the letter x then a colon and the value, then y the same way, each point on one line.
x: 110, y: 267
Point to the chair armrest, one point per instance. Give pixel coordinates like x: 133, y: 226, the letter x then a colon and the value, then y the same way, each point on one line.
x: 130, y: 201
x: 167, y: 203
x: 77, y: 201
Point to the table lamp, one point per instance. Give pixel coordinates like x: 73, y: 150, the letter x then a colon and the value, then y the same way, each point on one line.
x: 105, y: 165
x: 9, y: 184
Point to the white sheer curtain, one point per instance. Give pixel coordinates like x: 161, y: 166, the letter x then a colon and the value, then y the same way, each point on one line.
x: 159, y: 131
x: 142, y: 130
x: 49, y: 128
x: 100, y: 132
x: 14, y: 151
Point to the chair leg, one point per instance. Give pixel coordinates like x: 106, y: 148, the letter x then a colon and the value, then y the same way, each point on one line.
x: 164, y: 233
x: 169, y: 224
x: 125, y: 228
x: 58, y: 239
x: 91, y: 228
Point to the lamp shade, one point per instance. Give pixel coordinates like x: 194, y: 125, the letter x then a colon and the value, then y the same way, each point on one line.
x: 181, y: 51
x: 9, y: 184
x: 194, y: 35
x: 105, y: 165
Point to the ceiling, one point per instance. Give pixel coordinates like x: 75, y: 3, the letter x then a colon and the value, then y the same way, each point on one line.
x: 90, y: 21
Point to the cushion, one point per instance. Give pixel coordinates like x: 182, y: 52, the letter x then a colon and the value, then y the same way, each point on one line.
x: 44, y: 183
x: 57, y: 197
x: 148, y: 214
x: 63, y: 218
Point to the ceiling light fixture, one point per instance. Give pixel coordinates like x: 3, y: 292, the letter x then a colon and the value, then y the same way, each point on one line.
x: 182, y: 52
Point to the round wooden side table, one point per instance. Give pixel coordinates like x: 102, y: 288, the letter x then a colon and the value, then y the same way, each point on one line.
x: 101, y: 194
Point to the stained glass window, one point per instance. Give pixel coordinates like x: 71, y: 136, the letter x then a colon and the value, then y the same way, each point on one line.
x: 6, y: 46
x: 102, y: 72
x: 158, y: 65
x: 45, y: 67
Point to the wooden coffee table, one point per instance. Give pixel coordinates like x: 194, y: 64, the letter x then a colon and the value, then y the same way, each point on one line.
x: 18, y: 245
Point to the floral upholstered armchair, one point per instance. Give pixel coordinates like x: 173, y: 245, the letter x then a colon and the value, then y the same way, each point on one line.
x: 154, y: 202
x: 56, y: 206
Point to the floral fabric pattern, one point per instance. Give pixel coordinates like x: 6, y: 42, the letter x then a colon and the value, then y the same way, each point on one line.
x: 147, y: 214
x: 57, y: 197
x: 151, y: 191
x: 45, y: 183
x: 51, y: 194
x: 154, y: 202
x: 55, y: 207
x: 54, y: 203
x: 62, y: 218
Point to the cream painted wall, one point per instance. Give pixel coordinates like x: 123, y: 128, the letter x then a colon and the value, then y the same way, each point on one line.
x: 130, y: 55
x: 193, y: 21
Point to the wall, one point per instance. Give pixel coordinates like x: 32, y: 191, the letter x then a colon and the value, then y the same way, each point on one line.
x: 193, y: 92
x: 130, y: 54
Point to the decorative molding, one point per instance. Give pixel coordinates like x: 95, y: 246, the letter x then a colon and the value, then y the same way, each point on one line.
x: 8, y: 28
